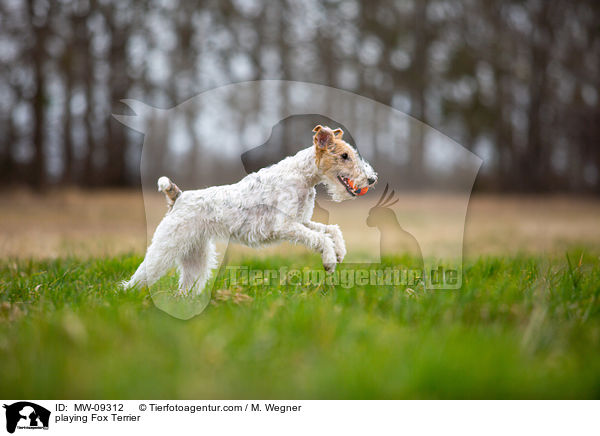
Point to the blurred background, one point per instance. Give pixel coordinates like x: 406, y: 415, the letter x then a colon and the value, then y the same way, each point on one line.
x: 516, y: 82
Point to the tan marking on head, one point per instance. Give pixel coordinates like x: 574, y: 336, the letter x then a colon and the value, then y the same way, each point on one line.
x: 322, y: 139
x: 329, y: 147
x: 330, y: 158
x: 327, y: 141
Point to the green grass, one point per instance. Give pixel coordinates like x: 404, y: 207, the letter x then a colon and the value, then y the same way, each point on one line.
x: 521, y: 327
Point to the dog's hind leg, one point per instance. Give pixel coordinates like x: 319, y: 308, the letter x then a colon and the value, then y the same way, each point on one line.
x: 160, y: 256
x: 195, y: 268
x: 154, y: 266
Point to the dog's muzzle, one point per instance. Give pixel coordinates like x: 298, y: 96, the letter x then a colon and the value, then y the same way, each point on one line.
x: 351, y: 188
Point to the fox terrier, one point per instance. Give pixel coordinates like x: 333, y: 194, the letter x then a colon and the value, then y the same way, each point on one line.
x: 274, y: 204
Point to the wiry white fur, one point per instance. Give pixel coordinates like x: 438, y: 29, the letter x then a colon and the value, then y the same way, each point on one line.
x: 272, y: 205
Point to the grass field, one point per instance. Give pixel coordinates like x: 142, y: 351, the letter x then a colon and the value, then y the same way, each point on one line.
x: 521, y: 327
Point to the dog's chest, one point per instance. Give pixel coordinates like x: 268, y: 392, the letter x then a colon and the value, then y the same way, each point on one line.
x: 307, y: 205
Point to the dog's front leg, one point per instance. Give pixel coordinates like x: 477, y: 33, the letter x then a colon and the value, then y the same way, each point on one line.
x: 314, y: 239
x: 333, y: 230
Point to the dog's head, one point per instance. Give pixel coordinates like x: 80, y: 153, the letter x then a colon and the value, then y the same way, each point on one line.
x: 345, y: 173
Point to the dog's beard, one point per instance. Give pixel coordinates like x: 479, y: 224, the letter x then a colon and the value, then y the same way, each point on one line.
x: 336, y: 191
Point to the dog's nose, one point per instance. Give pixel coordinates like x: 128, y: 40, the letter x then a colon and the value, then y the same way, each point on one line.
x: 372, y: 180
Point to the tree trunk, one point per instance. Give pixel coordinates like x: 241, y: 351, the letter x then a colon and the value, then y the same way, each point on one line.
x: 116, y: 145
x: 38, y: 165
x: 417, y: 91
x: 67, y: 177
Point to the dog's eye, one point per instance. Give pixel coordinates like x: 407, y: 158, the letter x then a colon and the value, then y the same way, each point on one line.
x: 345, y: 156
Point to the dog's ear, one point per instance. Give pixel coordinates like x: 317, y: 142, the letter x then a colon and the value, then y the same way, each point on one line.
x: 338, y: 133
x: 323, y: 138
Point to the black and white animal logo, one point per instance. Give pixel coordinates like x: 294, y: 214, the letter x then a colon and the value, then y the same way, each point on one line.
x: 26, y: 415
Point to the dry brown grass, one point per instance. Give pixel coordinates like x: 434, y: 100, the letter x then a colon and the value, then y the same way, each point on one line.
x: 104, y: 223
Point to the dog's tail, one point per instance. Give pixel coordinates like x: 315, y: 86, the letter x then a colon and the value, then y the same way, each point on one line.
x: 170, y: 189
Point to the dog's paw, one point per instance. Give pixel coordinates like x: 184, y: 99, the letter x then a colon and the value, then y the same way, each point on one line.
x: 340, y: 253
x: 329, y: 267
x: 340, y: 250
x: 329, y: 255
x: 338, y: 242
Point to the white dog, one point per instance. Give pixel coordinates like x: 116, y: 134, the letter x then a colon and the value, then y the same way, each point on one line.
x: 271, y: 205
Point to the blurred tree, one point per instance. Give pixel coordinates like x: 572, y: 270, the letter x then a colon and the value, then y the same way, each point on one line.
x: 516, y: 81
x: 38, y: 19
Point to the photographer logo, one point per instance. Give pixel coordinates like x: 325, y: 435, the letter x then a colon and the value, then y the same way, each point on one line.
x: 25, y: 415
